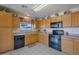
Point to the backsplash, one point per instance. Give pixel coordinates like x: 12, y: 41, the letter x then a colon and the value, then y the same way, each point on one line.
x: 72, y: 30
x: 69, y: 30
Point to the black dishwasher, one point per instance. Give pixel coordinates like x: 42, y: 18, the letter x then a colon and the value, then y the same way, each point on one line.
x: 18, y: 41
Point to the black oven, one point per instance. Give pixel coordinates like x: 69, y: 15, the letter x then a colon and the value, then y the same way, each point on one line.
x: 55, y: 39
x: 56, y: 25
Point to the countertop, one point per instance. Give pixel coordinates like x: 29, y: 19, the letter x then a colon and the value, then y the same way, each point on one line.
x: 24, y: 33
x: 72, y: 36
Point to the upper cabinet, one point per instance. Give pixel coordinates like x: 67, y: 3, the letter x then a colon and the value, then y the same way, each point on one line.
x: 5, y: 19
x: 55, y: 19
x: 52, y: 19
x: 36, y: 22
x: 75, y: 19
x: 47, y: 23
x: 40, y: 24
x: 66, y: 19
x: 16, y: 22
x: 58, y: 19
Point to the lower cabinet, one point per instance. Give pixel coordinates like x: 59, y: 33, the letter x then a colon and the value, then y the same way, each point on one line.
x: 67, y: 45
x: 30, y: 38
x: 43, y: 38
x: 76, y: 46
x: 70, y: 45
x: 6, y: 39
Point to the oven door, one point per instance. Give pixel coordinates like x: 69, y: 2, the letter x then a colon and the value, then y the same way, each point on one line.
x: 55, y: 42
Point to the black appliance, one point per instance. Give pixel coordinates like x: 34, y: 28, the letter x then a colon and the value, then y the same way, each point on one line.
x: 55, y: 39
x: 18, y: 41
x: 56, y: 25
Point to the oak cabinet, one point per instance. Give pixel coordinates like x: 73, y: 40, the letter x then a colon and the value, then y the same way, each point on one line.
x: 30, y: 38
x: 70, y: 45
x: 76, y: 46
x: 75, y: 19
x: 58, y: 19
x: 47, y: 23
x: 43, y: 23
x: 66, y: 19
x: 40, y: 24
x: 43, y: 38
x: 16, y: 22
x: 36, y: 22
x: 6, y: 39
x: 55, y: 19
x: 67, y: 45
x: 5, y: 19
x: 52, y: 19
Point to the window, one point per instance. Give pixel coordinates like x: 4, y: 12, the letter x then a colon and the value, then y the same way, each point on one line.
x: 25, y: 26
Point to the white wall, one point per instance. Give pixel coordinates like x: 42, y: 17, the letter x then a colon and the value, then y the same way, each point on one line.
x: 69, y: 30
x: 72, y: 30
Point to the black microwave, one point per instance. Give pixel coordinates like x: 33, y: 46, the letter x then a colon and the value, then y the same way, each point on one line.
x: 56, y: 25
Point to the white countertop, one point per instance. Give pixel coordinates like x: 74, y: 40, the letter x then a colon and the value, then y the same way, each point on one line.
x: 72, y: 36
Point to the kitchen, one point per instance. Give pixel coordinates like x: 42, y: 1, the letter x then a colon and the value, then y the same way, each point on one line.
x: 56, y: 30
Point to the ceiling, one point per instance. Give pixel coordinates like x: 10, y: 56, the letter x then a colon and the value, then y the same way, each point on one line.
x: 47, y: 11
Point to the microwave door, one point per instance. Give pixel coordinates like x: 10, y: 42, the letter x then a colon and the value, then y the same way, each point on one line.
x: 54, y: 25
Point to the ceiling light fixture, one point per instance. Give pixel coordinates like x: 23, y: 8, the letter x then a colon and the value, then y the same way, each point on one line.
x: 39, y: 7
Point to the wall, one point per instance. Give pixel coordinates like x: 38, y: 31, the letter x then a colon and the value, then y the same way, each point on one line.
x: 72, y: 30
x: 69, y: 30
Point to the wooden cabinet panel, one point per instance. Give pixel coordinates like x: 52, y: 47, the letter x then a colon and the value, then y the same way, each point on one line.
x: 75, y: 19
x: 36, y: 22
x: 31, y: 38
x: 16, y: 22
x: 52, y: 19
x: 66, y: 20
x: 5, y: 19
x: 43, y: 23
x: 47, y: 23
x: 67, y: 45
x: 43, y: 38
x: 40, y: 23
x: 58, y: 18
x: 55, y: 19
x: 6, y: 39
x: 76, y: 46
x: 27, y: 40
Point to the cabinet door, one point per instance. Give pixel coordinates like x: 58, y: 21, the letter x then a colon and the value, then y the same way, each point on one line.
x: 47, y: 23
x: 58, y: 18
x: 52, y: 20
x: 27, y: 40
x: 43, y: 23
x: 6, y: 39
x: 5, y: 19
x: 40, y: 38
x: 36, y: 22
x: 76, y: 46
x: 16, y: 22
x: 75, y: 19
x: 66, y: 20
x: 31, y: 38
x: 67, y: 45
x: 43, y: 38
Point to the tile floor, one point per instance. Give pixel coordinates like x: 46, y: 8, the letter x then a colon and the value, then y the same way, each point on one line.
x: 35, y: 49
